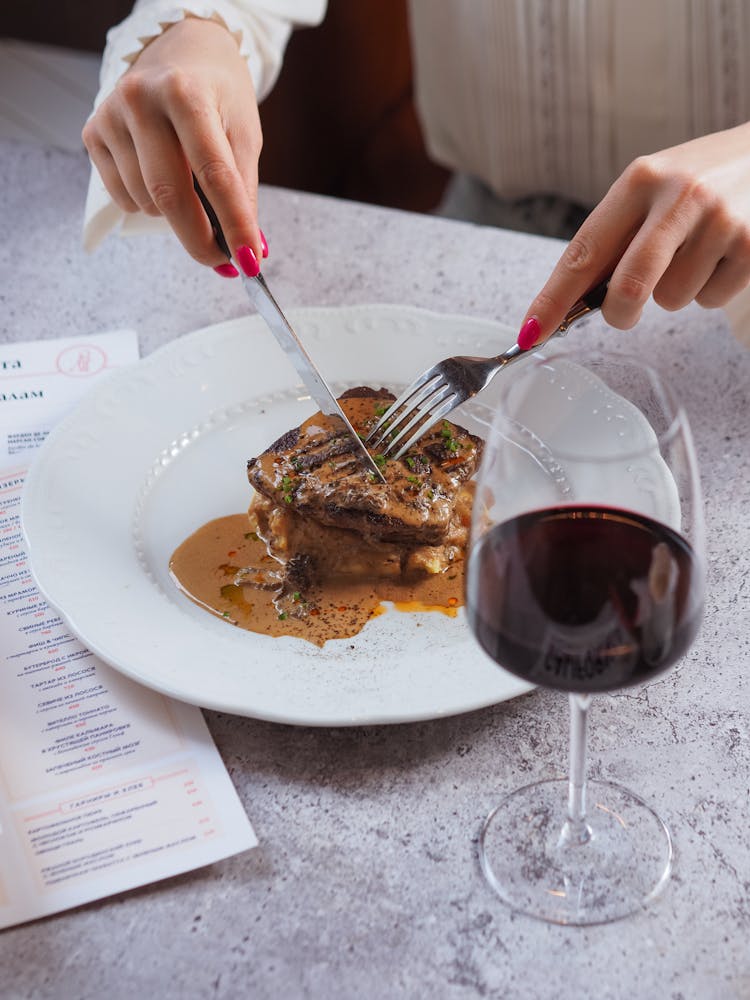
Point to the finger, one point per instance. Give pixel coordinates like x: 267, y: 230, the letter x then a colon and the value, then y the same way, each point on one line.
x: 168, y: 178
x: 731, y: 276
x: 122, y: 149
x: 646, y: 259
x: 246, y: 141
x: 245, y: 137
x: 110, y: 175
x: 692, y: 266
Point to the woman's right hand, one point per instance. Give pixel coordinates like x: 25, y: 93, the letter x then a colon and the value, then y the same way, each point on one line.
x: 186, y: 106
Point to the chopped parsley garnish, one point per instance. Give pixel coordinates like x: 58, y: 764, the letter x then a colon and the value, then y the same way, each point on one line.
x: 409, y: 461
x: 380, y: 410
x: 449, y: 440
x: 283, y: 616
x: 379, y: 460
x: 413, y: 479
x: 252, y: 535
x: 288, y: 487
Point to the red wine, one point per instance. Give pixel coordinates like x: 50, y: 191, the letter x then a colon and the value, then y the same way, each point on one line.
x: 585, y: 599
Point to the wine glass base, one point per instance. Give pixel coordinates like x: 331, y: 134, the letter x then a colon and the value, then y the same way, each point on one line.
x: 617, y: 867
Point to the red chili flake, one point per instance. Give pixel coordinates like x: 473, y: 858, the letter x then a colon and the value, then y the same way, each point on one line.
x: 315, y: 611
x: 452, y: 601
x: 342, y: 607
x: 232, y: 552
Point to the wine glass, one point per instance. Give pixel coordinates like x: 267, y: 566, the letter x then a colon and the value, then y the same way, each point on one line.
x: 585, y: 573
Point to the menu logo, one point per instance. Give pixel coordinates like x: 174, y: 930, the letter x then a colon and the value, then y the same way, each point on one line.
x: 81, y: 361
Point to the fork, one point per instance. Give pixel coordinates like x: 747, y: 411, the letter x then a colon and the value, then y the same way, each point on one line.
x: 449, y: 383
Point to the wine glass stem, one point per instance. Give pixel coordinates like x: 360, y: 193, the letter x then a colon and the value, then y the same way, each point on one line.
x: 576, y: 828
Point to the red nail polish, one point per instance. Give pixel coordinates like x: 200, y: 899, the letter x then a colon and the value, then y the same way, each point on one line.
x: 263, y: 244
x: 247, y: 261
x: 227, y: 270
x: 529, y: 333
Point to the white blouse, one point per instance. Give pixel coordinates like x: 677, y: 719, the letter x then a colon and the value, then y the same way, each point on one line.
x: 559, y: 96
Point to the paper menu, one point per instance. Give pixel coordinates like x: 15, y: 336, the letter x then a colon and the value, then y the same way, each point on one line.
x: 104, y: 784
x: 41, y: 380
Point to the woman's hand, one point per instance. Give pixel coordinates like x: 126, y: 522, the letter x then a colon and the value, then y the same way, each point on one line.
x: 676, y: 224
x: 187, y: 105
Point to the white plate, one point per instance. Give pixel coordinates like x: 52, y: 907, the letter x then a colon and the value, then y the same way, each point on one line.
x: 160, y: 448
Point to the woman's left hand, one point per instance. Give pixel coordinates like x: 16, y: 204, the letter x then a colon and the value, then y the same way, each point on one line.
x: 675, y: 225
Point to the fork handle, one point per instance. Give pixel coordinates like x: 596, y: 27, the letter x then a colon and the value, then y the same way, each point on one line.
x: 588, y: 303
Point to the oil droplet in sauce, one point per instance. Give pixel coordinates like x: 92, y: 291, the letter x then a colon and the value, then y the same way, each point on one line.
x: 206, y: 565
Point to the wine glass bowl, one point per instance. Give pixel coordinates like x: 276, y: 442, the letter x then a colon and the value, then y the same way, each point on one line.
x: 585, y: 574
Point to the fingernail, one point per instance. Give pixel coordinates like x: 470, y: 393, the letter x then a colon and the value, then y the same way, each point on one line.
x: 263, y: 244
x: 247, y: 261
x: 529, y: 333
x: 227, y: 270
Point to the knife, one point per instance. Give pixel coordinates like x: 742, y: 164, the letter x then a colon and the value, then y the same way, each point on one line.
x: 266, y: 305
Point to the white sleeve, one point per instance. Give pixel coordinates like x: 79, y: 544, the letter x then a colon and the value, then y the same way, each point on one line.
x: 261, y: 29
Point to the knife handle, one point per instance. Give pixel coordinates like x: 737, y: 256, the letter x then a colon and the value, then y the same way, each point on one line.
x: 213, y: 219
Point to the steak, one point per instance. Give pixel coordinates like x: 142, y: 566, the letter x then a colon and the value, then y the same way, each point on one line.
x: 311, y: 471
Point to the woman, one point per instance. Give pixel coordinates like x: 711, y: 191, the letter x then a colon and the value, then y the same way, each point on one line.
x: 572, y: 98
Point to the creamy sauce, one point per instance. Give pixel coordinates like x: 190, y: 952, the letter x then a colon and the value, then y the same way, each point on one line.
x: 206, y: 564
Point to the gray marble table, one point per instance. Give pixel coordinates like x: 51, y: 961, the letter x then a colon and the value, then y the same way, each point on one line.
x: 366, y: 881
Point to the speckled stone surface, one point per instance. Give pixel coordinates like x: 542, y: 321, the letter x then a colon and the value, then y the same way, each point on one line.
x: 366, y: 882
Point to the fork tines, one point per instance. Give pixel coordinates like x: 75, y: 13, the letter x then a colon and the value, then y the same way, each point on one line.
x: 419, y: 407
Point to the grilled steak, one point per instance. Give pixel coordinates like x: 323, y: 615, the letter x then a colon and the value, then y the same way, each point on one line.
x: 323, y: 517
x: 312, y: 472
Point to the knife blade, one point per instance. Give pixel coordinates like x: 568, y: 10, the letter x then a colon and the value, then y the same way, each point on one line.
x: 266, y: 305
x: 268, y: 308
